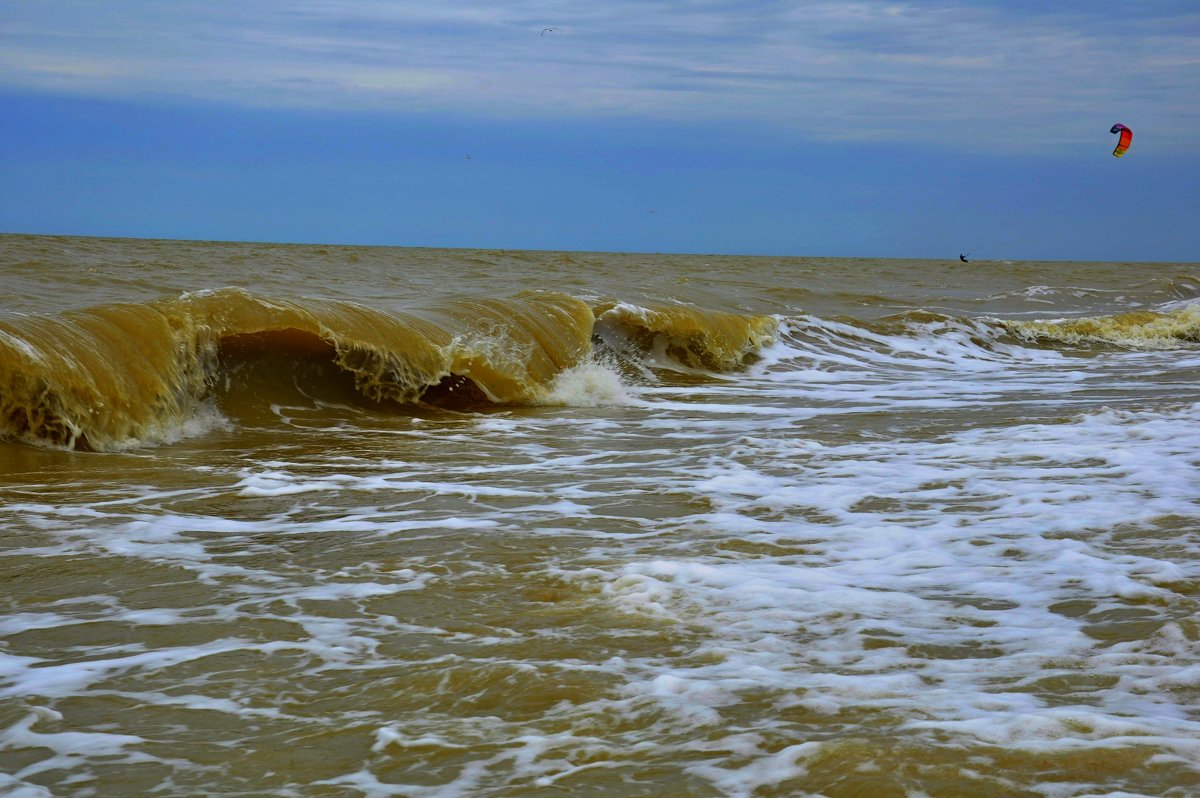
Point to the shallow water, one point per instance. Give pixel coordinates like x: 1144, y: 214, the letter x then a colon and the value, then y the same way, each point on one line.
x: 370, y: 521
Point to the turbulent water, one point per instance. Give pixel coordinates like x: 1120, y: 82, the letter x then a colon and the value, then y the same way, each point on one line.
x: 338, y: 521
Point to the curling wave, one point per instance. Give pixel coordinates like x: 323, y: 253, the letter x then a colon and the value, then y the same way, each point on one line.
x: 122, y: 375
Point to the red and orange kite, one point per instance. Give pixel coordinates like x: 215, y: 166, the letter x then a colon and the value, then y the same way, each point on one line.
x: 1123, y: 142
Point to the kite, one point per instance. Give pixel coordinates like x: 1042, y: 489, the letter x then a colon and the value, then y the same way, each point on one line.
x: 1123, y: 142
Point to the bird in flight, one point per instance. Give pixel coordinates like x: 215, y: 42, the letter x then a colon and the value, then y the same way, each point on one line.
x: 543, y: 33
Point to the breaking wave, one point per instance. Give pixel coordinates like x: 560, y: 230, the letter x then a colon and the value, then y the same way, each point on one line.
x: 119, y: 376
x: 1142, y: 329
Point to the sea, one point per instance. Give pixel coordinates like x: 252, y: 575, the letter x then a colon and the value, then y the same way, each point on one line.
x: 340, y: 521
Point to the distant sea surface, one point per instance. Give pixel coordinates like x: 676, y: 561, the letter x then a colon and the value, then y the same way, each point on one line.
x: 346, y: 521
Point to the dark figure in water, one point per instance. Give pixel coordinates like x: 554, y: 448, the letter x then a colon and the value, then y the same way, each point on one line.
x: 963, y: 258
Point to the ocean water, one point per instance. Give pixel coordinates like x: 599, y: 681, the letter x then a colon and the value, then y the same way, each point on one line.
x: 337, y: 521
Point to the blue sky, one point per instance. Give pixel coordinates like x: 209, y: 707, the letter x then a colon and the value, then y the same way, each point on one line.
x: 834, y: 128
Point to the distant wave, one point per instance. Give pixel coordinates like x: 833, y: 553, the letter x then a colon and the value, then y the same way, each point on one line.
x: 118, y: 376
x: 1143, y: 329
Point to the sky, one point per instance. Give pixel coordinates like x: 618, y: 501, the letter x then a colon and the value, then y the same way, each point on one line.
x: 847, y: 128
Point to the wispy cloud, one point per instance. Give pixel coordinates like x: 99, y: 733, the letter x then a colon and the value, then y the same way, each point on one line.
x: 961, y: 73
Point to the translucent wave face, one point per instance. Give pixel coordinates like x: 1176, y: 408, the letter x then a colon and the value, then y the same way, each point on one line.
x: 117, y: 376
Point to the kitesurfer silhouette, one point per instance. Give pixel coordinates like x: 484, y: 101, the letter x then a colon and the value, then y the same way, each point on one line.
x: 963, y: 257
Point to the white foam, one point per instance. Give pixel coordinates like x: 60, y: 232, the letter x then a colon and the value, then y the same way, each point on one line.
x: 49, y: 680
x: 765, y: 770
x: 272, y: 483
x: 69, y: 749
x: 201, y: 419
x: 590, y: 384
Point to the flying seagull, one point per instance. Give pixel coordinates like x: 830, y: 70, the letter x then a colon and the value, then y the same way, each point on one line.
x: 543, y: 33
